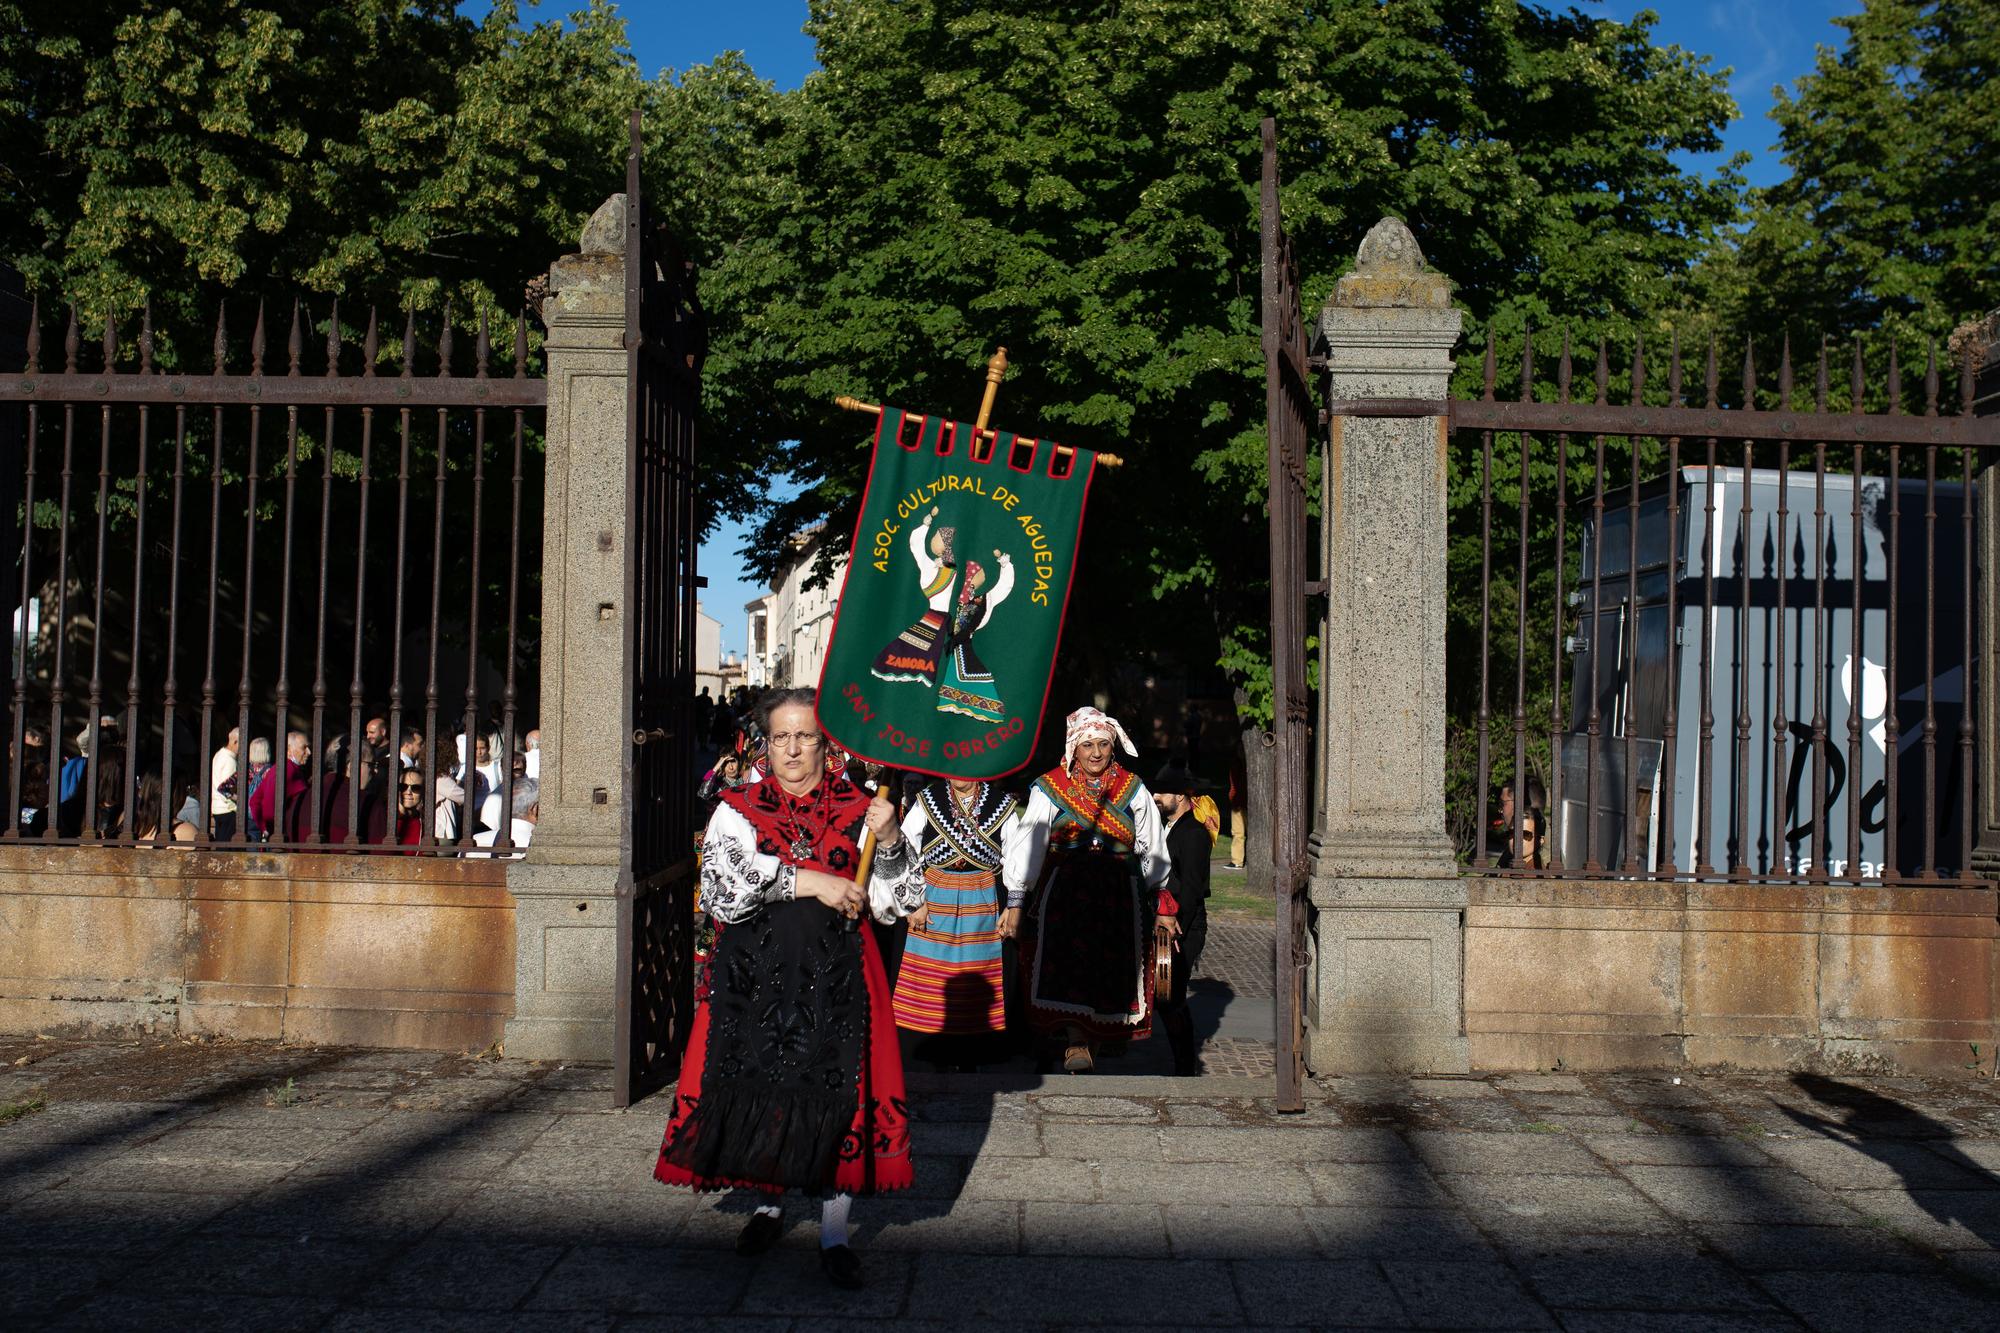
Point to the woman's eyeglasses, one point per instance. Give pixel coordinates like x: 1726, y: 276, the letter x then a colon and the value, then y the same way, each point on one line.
x: 807, y: 740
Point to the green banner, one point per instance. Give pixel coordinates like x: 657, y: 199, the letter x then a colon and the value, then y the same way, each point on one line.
x: 946, y: 632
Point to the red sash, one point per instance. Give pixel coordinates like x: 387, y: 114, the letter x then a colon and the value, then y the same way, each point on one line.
x: 830, y: 816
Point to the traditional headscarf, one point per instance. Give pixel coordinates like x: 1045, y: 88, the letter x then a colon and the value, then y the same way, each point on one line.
x: 1086, y: 723
x: 972, y: 584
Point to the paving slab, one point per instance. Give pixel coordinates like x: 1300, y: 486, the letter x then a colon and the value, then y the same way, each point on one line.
x: 1871, y: 1302
x: 1637, y: 1282
x: 1739, y: 1194
x: 620, y: 1279
x: 1451, y: 1153
x: 1129, y: 1230
x: 1248, y: 1232
x: 461, y: 1275
x: 1464, y: 1295
x: 1224, y: 1183
x: 1074, y: 1290
x: 212, y: 1313
x: 1373, y: 1233
x: 1879, y: 1164
x: 1340, y: 1292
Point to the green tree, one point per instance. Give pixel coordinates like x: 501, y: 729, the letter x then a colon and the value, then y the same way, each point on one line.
x: 1078, y: 182
x: 1885, y: 221
x: 378, y: 149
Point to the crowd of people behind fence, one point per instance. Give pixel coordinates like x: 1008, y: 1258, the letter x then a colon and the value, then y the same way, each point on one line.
x: 377, y: 791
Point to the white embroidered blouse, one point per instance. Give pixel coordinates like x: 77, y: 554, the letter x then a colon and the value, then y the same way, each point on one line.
x: 737, y: 879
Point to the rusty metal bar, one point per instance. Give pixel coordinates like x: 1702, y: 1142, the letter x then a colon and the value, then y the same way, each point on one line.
x: 255, y: 389
x: 1821, y: 840
x: 1930, y: 663
x: 129, y: 779
x: 1670, y: 720
x: 281, y: 711
x: 1556, y: 653
x: 170, y: 698
x: 248, y: 600
x: 1705, y: 783
x: 426, y: 757
x: 1630, y: 673
x: 1593, y: 728
x: 325, y: 776
x: 1485, y: 825
x: 92, y: 726
x: 18, y: 753
x: 437, y: 598
x: 509, y: 698
x: 57, y: 678
x: 1969, y: 643
x: 1525, y: 443
x: 1746, y: 424
x: 1739, y: 867
x: 474, y: 732
x: 355, y: 685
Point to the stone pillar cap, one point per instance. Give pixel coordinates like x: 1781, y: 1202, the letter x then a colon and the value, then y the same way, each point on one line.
x: 1389, y: 272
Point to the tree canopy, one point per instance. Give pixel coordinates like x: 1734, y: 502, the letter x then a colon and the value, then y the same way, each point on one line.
x: 1887, y: 216
x: 1078, y: 182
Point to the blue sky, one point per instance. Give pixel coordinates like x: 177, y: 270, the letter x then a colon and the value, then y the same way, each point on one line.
x: 1765, y: 42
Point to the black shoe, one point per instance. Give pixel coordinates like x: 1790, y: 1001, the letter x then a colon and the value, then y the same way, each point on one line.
x: 842, y: 1266
x: 759, y: 1234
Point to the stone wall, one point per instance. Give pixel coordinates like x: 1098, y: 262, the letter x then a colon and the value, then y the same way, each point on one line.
x: 1605, y: 975
x: 367, y: 950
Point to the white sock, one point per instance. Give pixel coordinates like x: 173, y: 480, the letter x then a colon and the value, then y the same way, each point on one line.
x: 770, y: 1210
x: 833, y: 1221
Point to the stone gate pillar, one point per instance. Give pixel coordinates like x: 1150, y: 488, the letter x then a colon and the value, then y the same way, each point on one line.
x: 565, y: 905
x: 1389, y: 965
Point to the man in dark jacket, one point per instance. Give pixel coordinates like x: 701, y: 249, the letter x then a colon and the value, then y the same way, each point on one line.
x: 1188, y: 848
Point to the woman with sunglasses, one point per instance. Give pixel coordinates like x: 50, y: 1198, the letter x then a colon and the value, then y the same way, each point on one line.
x: 792, y: 1077
x: 409, y: 806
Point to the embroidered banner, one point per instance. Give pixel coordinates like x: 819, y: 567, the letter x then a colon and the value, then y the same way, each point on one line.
x: 946, y: 632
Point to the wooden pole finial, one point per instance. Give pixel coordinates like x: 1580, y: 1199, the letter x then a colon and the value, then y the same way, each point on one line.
x: 996, y: 370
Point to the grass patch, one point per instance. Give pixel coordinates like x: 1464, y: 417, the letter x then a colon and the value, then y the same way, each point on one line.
x: 12, y: 1111
x: 1229, y: 892
x: 285, y: 1094
x: 1541, y: 1127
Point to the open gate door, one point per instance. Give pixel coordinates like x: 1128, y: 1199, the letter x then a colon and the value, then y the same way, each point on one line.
x: 1289, y: 418
x: 664, y: 345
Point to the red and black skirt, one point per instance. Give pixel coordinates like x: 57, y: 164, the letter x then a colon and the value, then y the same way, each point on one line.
x: 792, y: 1078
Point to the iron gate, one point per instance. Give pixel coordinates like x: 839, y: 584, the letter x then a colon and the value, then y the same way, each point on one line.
x: 1289, y: 416
x: 665, y: 340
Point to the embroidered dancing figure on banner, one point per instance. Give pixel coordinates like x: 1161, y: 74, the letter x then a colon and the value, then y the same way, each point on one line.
x: 913, y: 654
x: 959, y: 691
x: 968, y: 687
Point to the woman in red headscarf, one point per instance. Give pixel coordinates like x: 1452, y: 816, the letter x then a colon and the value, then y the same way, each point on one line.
x: 792, y: 1077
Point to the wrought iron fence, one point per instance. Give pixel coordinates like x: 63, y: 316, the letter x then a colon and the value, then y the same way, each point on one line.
x: 254, y: 606
x: 1741, y: 638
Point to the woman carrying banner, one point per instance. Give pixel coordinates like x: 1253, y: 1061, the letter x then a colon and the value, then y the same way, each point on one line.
x: 952, y: 981
x: 1089, y: 861
x: 792, y: 1078
x: 913, y: 654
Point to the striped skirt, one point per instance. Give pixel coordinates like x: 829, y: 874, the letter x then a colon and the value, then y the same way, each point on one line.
x: 951, y: 979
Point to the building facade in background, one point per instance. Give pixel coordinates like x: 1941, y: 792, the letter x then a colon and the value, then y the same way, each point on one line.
x: 789, y: 627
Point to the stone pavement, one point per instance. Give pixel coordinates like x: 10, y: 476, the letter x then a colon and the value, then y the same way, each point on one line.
x: 207, y: 1185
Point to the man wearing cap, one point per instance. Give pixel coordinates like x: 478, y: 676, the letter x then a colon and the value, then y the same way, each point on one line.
x: 1189, y: 846
x: 1089, y: 863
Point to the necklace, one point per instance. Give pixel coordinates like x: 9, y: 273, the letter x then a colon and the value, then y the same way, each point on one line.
x: 799, y: 832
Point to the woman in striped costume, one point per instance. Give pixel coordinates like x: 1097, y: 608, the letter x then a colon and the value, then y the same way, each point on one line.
x: 952, y: 983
